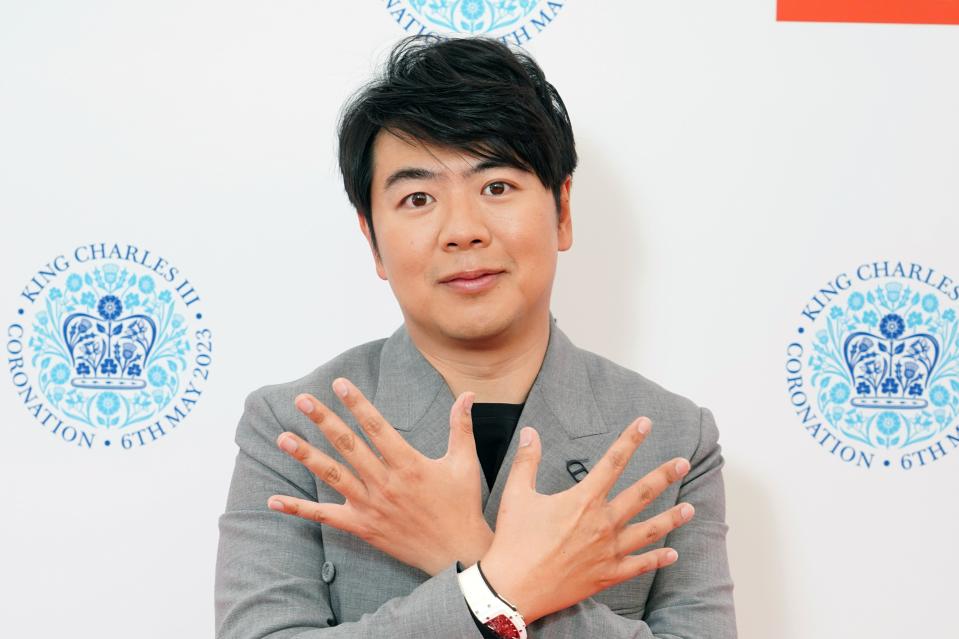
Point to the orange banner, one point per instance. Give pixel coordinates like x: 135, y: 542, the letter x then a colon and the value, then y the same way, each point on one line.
x: 904, y: 11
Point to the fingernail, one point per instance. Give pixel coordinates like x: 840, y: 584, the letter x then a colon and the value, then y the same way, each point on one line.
x: 686, y: 511
x: 525, y: 437
x: 672, y: 555
x: 305, y: 405
x: 468, y: 404
x: 681, y: 467
x: 275, y: 504
x: 643, y: 425
x: 340, y: 387
x: 288, y: 444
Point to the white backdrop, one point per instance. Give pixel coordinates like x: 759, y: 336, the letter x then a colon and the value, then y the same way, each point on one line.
x: 729, y: 166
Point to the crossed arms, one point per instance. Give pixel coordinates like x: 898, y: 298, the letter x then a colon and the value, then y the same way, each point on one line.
x: 269, y: 563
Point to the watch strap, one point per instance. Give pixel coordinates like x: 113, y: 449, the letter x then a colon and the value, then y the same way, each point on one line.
x: 489, y: 608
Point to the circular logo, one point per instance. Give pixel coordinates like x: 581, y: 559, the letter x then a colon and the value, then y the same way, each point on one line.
x: 873, y: 373
x: 512, y: 21
x: 109, y: 347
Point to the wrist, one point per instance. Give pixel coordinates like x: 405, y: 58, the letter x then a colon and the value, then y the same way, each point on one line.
x: 468, y: 550
x: 503, y: 579
x: 477, y: 546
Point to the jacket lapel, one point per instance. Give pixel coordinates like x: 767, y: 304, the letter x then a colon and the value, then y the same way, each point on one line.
x: 413, y: 397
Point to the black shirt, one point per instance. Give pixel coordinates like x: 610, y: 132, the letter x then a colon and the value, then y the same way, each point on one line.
x: 493, y: 426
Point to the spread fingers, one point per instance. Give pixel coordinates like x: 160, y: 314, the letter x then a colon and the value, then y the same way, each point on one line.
x: 634, y: 498
x: 332, y: 472
x: 636, y: 536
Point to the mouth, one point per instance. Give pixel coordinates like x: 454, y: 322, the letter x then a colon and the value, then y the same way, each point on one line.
x: 472, y: 281
x: 470, y: 275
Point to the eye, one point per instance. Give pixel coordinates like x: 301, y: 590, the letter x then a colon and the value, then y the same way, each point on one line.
x: 499, y: 186
x: 418, y: 199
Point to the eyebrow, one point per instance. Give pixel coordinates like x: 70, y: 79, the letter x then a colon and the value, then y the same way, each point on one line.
x: 419, y: 173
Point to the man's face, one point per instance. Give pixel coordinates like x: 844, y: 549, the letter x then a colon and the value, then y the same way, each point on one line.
x: 437, y: 212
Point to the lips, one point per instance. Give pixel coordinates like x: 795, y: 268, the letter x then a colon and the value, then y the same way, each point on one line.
x: 470, y: 275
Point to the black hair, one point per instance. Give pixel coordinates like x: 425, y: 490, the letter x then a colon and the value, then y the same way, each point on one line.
x: 473, y: 94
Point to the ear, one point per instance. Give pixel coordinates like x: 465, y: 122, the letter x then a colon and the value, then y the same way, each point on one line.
x: 380, y: 269
x: 565, y: 219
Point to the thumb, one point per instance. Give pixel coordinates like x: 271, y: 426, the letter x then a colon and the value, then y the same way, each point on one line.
x: 461, y: 426
x: 522, y: 474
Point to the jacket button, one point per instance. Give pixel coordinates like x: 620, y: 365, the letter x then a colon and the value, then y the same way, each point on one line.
x: 328, y: 572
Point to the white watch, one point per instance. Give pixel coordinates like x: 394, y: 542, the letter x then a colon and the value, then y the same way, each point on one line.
x: 492, y: 610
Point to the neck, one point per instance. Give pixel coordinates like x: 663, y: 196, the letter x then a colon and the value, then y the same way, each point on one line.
x: 501, y: 369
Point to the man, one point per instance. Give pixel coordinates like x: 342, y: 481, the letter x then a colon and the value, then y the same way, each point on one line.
x: 358, y: 506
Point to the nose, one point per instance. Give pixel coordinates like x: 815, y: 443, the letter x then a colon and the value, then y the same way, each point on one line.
x: 464, y: 222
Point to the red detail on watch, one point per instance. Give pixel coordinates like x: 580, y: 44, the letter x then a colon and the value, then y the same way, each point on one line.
x: 502, y: 626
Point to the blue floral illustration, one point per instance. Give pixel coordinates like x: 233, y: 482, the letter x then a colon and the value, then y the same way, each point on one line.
x: 132, y: 300
x: 835, y: 312
x: 109, y: 307
x: 157, y: 376
x: 473, y: 16
x: 939, y: 396
x: 147, y: 284
x: 93, y: 357
x: 108, y: 403
x: 888, y: 423
x: 856, y: 301
x: 839, y: 393
x: 893, y: 291
x: 60, y: 373
x: 473, y: 9
x: 892, y: 326
x: 880, y: 364
x: 74, y: 282
x: 110, y: 273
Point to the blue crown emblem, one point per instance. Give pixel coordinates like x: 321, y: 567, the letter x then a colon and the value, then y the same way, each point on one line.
x: 885, y: 366
x: 109, y: 351
x: 474, y: 16
x: 890, y: 370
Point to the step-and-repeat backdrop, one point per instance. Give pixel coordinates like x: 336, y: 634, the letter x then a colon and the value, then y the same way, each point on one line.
x: 765, y: 214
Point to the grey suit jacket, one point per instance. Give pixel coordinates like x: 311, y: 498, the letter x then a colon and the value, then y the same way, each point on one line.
x: 281, y: 576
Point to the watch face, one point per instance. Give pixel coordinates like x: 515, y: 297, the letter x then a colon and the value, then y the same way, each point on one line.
x: 503, y: 627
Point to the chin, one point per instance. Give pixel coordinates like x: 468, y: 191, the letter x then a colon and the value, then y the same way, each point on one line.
x: 476, y: 323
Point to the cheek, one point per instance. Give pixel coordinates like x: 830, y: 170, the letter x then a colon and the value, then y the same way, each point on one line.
x: 407, y: 258
x: 537, y: 239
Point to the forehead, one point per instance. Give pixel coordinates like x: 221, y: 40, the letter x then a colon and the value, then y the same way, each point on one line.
x: 400, y: 157
x: 391, y: 151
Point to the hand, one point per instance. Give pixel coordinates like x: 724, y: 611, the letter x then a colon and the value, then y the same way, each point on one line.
x: 552, y: 551
x: 425, y: 512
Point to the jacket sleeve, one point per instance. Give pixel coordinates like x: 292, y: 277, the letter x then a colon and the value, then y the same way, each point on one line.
x: 268, y: 565
x: 693, y: 597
